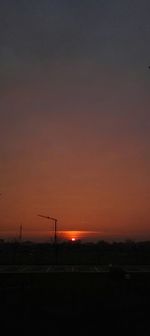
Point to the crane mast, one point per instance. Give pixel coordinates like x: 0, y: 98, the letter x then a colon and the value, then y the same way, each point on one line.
x: 55, y: 226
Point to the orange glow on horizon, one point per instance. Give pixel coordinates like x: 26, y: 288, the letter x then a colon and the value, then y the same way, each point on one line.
x: 75, y: 235
x: 47, y: 236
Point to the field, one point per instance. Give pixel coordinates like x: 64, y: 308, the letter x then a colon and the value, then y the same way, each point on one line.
x: 75, y: 302
x: 81, y: 289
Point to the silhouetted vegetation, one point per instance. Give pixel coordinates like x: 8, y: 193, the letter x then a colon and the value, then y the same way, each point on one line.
x: 102, y: 253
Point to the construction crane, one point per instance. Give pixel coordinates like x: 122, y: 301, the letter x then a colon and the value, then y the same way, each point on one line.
x: 55, y: 226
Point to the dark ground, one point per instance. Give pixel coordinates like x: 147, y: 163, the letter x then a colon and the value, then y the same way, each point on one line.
x: 75, y: 303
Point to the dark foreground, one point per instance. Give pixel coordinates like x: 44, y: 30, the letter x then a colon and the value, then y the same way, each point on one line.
x: 75, y: 303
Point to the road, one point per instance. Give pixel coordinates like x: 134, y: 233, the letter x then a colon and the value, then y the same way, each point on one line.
x: 70, y: 268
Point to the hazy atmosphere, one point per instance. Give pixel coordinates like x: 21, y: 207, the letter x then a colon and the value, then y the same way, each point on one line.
x: 74, y: 118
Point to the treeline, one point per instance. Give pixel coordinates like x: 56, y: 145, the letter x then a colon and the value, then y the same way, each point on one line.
x: 102, y: 252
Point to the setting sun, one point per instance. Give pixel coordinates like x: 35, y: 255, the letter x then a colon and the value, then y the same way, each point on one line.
x: 73, y: 239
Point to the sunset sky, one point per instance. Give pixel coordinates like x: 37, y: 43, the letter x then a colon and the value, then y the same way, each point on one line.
x: 75, y: 117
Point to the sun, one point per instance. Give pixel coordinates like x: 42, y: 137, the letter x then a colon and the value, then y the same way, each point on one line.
x: 73, y: 239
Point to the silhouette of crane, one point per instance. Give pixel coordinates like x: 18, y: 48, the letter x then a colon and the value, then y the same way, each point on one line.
x: 55, y: 226
x: 55, y: 235
x: 20, y: 233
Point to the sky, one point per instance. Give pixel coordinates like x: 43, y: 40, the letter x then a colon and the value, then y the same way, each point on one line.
x: 74, y: 117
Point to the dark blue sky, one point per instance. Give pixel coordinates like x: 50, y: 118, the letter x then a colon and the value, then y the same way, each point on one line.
x: 39, y: 32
